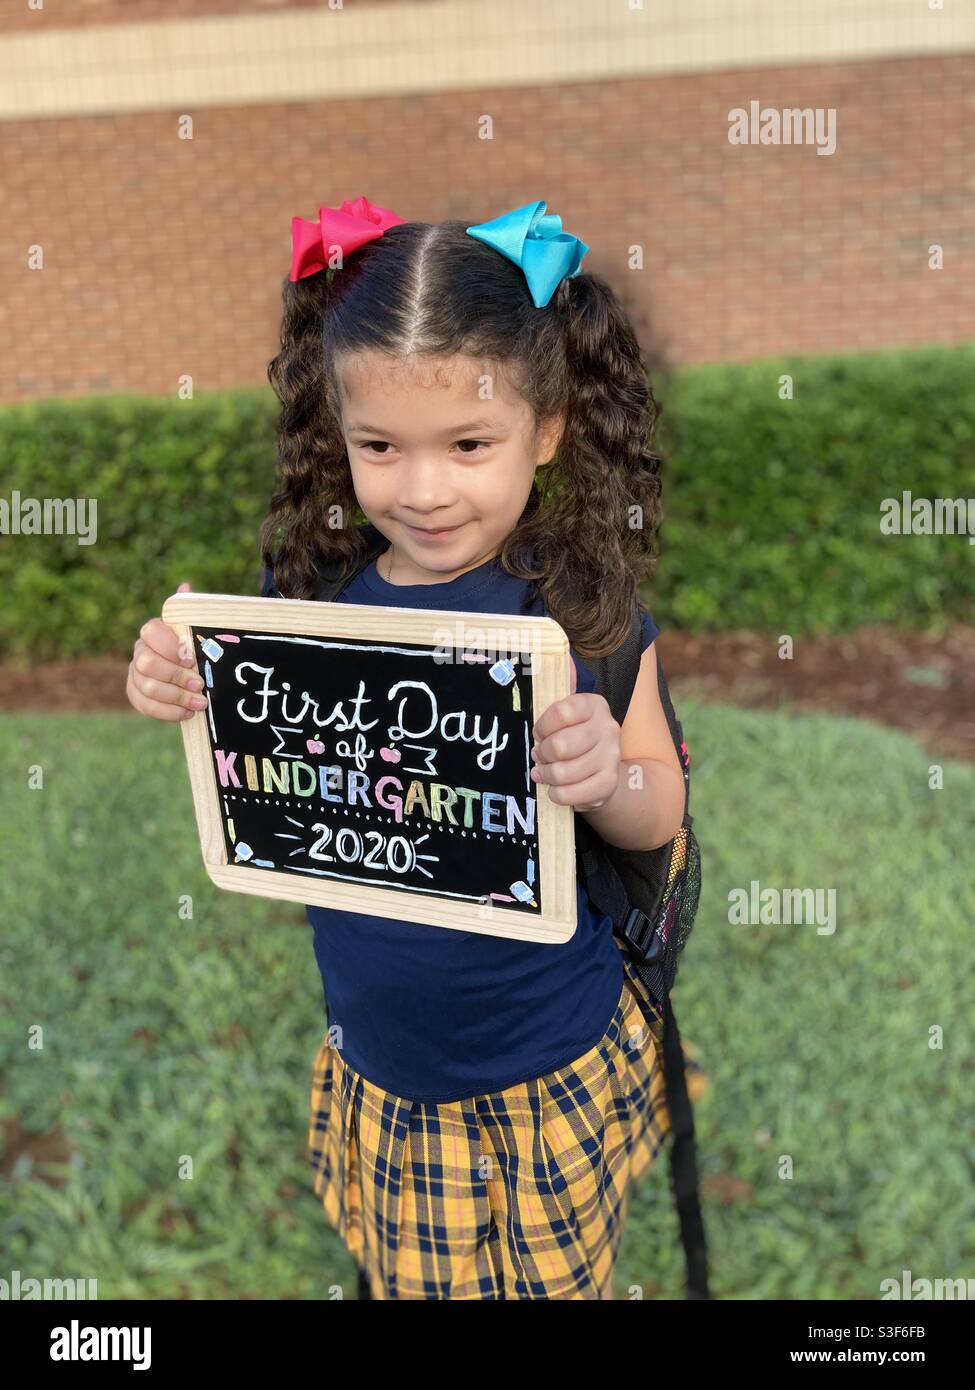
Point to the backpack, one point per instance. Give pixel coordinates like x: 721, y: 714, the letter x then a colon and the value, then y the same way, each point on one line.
x: 650, y: 895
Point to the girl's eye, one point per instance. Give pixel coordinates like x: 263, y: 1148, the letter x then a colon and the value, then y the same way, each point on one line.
x: 381, y: 444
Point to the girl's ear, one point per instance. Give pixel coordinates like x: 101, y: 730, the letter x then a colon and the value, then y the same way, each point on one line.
x: 549, y: 437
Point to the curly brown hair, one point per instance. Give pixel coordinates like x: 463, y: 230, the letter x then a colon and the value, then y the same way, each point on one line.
x: 587, y: 535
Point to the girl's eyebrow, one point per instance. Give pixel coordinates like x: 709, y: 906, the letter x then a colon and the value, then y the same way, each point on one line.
x: 452, y: 430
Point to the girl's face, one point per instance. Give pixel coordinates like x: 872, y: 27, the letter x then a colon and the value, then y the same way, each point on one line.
x: 440, y: 471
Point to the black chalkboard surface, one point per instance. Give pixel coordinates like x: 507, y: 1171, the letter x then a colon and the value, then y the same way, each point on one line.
x: 377, y: 760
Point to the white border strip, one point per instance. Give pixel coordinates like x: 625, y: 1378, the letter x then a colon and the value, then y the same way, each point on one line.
x: 366, y: 50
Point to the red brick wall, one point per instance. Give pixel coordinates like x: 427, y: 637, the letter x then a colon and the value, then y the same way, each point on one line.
x: 165, y: 257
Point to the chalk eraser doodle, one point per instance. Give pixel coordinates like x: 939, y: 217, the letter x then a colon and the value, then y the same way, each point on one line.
x: 523, y: 893
x: 243, y: 851
x: 503, y: 672
x: 212, y: 649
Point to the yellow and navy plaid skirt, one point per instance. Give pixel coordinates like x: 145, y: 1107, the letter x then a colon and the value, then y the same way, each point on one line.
x: 518, y: 1194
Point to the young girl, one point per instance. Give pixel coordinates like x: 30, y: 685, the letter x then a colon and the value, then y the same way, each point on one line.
x: 480, y: 1105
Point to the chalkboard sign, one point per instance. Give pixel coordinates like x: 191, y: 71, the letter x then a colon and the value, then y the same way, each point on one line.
x: 377, y: 760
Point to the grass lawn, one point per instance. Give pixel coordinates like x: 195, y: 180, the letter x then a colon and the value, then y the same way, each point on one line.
x: 836, y: 1145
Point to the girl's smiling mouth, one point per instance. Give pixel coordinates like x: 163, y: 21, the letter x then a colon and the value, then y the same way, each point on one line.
x: 424, y: 535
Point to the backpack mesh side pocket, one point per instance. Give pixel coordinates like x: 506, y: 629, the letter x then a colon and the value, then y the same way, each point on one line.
x: 666, y: 891
x: 681, y: 897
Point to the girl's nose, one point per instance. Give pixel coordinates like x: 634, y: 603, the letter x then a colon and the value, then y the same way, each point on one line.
x: 421, y: 488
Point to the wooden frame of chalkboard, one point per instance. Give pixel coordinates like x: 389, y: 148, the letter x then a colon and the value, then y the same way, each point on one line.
x: 365, y: 843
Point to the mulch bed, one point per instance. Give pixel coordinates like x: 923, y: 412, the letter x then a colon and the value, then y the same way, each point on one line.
x: 920, y: 682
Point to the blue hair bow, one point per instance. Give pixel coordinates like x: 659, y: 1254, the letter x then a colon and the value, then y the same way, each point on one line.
x: 535, y: 241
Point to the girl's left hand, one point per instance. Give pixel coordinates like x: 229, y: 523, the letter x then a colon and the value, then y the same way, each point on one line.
x: 577, y: 750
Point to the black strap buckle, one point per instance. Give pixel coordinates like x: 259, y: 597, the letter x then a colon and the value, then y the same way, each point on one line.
x: 639, y: 932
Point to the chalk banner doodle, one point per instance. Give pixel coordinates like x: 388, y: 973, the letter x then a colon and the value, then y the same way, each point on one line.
x: 378, y: 760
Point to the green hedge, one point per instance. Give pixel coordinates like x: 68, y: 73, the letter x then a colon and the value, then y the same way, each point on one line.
x: 182, y: 488
x: 772, y: 506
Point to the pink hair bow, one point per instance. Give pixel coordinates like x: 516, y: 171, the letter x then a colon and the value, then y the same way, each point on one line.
x: 349, y: 226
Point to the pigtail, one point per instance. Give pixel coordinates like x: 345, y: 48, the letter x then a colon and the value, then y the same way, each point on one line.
x: 312, y: 471
x: 596, y: 529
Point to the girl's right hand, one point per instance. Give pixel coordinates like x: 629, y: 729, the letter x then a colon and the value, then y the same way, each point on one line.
x: 160, y: 682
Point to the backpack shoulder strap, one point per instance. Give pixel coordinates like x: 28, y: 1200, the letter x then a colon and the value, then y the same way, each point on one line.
x: 617, y: 675
x: 333, y: 575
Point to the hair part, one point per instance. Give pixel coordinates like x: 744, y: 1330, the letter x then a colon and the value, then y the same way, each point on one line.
x: 431, y: 291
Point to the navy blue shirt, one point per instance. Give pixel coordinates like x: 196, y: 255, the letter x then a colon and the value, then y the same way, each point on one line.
x: 436, y: 1014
